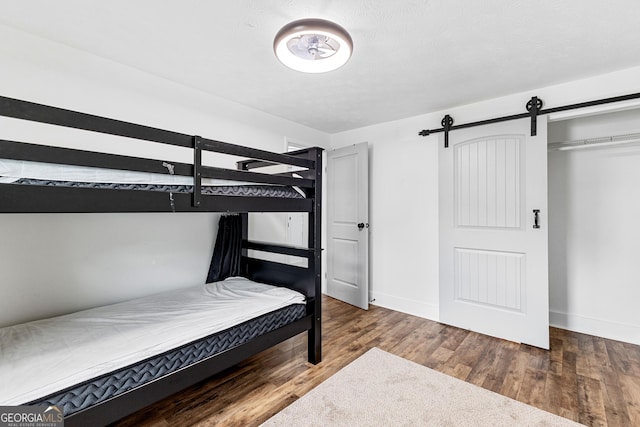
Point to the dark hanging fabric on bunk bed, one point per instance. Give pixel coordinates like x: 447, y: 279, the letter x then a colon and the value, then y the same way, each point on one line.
x: 227, y: 252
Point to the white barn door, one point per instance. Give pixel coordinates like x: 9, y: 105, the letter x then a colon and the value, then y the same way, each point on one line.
x: 348, y: 224
x: 493, y: 231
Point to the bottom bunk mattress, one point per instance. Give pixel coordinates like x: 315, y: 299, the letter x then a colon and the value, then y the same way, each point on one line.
x: 84, y: 358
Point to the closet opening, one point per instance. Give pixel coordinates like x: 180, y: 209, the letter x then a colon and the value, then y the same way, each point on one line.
x: 594, y: 232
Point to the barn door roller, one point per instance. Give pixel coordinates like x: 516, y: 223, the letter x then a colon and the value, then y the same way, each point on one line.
x: 533, y: 107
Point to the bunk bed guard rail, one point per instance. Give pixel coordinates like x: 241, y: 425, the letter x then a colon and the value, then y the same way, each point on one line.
x: 108, y: 201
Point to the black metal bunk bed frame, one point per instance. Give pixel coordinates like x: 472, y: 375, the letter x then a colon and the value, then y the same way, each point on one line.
x: 16, y: 198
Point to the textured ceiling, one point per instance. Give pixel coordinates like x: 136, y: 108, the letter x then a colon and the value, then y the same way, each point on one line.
x: 410, y: 57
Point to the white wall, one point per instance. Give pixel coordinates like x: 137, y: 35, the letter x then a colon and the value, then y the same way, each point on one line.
x: 52, y: 264
x: 404, y: 191
x: 594, y: 235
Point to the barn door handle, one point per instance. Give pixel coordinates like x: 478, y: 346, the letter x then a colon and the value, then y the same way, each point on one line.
x: 536, y: 218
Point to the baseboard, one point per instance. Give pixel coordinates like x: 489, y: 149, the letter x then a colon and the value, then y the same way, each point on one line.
x: 405, y: 305
x: 601, y: 328
x: 586, y: 325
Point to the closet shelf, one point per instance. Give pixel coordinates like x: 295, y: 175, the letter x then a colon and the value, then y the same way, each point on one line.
x: 601, y: 141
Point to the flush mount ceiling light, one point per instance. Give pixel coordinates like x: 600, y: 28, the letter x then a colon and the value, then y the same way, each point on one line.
x: 313, y: 45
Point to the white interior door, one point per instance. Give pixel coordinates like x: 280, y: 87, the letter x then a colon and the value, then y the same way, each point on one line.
x: 493, y: 250
x: 348, y: 225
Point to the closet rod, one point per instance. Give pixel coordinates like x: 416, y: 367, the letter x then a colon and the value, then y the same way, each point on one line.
x: 590, y: 142
x: 534, y: 108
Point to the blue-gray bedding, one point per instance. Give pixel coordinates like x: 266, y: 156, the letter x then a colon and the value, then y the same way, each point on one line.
x: 217, y: 190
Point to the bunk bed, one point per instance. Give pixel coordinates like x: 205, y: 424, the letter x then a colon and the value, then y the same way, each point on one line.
x: 175, y: 187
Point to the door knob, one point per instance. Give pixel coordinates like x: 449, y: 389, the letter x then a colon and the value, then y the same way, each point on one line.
x: 363, y: 225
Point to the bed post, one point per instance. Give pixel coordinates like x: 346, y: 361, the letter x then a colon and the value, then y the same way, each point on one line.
x: 315, y: 242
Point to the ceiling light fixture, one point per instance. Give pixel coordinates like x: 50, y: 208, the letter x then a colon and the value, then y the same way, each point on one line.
x: 313, y: 45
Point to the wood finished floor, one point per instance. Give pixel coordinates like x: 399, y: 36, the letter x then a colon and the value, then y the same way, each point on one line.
x: 591, y: 380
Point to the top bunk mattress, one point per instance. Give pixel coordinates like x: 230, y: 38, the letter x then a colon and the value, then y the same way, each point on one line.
x: 44, y: 356
x: 48, y: 174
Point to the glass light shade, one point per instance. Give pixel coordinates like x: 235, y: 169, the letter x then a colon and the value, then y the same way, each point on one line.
x: 313, y: 45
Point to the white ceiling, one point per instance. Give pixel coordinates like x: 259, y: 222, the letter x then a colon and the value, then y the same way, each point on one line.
x: 410, y: 56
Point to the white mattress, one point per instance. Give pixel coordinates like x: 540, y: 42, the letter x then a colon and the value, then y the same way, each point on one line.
x: 13, y: 170
x: 41, y: 357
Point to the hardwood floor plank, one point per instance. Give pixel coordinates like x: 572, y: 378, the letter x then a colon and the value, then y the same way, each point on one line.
x: 630, y: 387
x: 615, y: 404
x: 470, y: 349
x: 569, y: 385
x: 633, y: 355
x: 452, y: 337
x: 497, y: 373
x: 515, y: 375
x: 585, y: 378
x: 458, y: 371
x: 553, y: 394
x: 591, y: 402
x: 555, y: 356
x: 532, y: 388
x: 621, y: 359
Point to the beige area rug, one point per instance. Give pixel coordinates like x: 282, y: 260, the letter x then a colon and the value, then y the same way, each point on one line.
x: 381, y: 389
